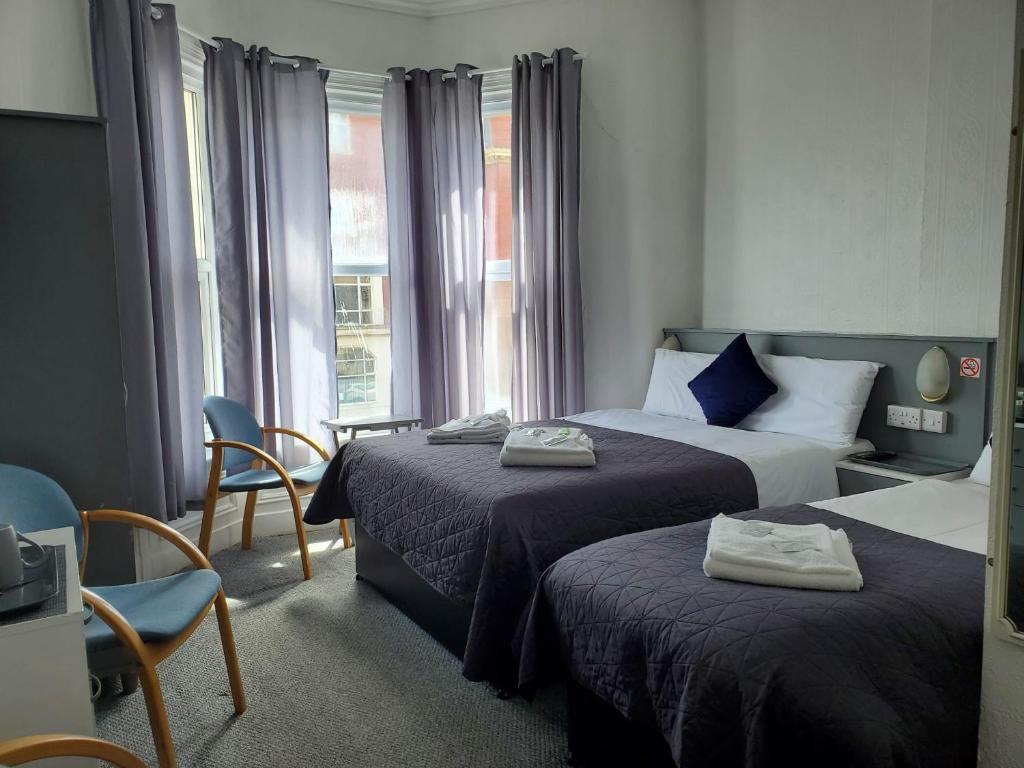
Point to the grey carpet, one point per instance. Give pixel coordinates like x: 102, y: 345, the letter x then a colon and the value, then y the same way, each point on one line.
x: 335, y: 676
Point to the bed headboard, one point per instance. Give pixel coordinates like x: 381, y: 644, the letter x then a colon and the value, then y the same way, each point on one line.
x: 968, y: 403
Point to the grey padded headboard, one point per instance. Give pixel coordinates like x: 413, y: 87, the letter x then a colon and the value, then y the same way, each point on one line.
x: 968, y: 403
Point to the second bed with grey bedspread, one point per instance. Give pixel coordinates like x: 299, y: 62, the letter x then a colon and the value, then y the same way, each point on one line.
x: 737, y: 675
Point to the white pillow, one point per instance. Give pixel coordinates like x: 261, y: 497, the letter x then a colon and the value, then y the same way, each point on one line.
x: 823, y: 399
x: 668, y: 393
x: 982, y: 472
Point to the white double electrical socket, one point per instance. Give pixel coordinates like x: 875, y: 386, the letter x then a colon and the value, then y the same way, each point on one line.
x: 908, y: 417
x: 903, y: 417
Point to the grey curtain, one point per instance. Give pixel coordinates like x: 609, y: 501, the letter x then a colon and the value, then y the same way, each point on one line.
x: 434, y: 170
x: 137, y: 71
x: 547, y: 306
x: 267, y: 131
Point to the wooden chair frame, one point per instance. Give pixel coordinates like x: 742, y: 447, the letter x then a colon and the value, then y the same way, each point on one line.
x: 149, y: 655
x: 213, y: 493
x: 28, y: 749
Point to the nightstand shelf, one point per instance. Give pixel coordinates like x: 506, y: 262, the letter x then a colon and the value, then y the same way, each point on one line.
x: 860, y: 478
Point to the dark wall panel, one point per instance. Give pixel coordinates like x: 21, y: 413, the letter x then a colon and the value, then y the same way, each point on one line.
x: 62, y: 406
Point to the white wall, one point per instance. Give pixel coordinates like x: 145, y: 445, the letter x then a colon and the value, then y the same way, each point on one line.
x: 856, y: 164
x: 46, y: 63
x: 641, y: 164
x: 339, y: 35
x: 45, y: 59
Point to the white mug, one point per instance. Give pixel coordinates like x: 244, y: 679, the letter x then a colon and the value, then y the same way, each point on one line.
x: 12, y: 563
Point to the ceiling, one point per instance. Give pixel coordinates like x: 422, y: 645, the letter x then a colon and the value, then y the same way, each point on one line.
x: 429, y: 8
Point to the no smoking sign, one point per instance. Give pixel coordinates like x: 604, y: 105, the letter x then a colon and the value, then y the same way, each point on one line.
x: 970, y: 367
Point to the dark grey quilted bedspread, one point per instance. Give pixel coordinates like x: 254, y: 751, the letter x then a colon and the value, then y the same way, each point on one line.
x: 741, y: 675
x: 482, y: 534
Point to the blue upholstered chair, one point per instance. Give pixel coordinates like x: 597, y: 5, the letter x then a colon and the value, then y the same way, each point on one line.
x: 239, y: 443
x: 135, y: 626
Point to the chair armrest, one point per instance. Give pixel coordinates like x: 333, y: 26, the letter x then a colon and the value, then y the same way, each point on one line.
x: 220, y: 445
x: 298, y: 436
x: 162, y: 530
x: 27, y: 749
x: 117, y: 622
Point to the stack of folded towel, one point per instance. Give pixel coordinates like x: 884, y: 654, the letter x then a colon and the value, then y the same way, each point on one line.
x: 483, y: 428
x: 802, y: 556
x: 547, y: 447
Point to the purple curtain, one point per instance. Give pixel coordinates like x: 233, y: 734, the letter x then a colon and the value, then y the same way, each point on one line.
x: 547, y: 306
x: 267, y: 129
x: 434, y: 170
x: 137, y: 71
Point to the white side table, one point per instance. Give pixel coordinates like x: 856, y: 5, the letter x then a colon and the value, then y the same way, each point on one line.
x: 44, y: 677
x: 369, y: 424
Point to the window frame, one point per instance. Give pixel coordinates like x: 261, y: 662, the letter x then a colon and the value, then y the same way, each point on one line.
x: 496, y: 100
x: 351, y: 94
x: 361, y: 309
x: 368, y: 360
x: 192, y: 65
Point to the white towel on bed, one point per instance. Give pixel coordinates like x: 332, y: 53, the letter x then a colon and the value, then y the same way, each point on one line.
x: 776, y: 554
x: 482, y: 428
x: 547, y: 447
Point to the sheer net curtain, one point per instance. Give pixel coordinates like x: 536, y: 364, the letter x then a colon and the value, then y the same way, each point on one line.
x: 267, y: 129
x: 434, y: 169
x: 547, y: 301
x: 137, y: 71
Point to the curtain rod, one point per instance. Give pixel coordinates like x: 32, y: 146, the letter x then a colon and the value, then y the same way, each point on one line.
x: 158, y: 14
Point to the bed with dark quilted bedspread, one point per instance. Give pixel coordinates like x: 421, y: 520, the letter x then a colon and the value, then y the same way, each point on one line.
x: 737, y: 674
x: 482, y: 534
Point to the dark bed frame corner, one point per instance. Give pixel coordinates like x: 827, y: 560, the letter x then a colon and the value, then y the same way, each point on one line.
x: 445, y: 620
x: 599, y: 737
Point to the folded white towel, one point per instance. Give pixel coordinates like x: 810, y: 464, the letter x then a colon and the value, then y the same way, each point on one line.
x: 466, y: 438
x: 482, y: 428
x: 547, y: 447
x: 776, y: 554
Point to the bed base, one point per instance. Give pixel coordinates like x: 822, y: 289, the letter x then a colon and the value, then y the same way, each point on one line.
x: 599, y: 737
x: 443, y: 619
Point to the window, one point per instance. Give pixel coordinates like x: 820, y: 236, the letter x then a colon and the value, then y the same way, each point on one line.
x: 357, y: 376
x: 359, y: 301
x: 202, y: 222
x: 359, y: 245
x: 497, y: 242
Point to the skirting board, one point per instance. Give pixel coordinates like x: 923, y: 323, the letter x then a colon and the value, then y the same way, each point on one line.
x: 156, y: 558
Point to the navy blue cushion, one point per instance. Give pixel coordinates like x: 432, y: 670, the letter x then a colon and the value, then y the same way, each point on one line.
x: 733, y: 386
x: 158, y: 610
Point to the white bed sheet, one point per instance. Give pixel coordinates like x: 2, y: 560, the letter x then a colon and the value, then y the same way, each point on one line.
x: 952, y: 513
x: 786, y: 468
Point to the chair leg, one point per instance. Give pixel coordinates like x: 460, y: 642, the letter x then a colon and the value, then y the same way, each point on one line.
x: 210, y: 501
x: 227, y: 639
x: 300, y: 531
x: 158, y: 717
x: 247, y: 519
x: 346, y: 535
x: 129, y: 683
x: 206, y: 531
